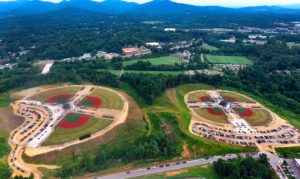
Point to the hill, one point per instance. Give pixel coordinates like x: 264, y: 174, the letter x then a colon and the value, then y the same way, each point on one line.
x: 155, y: 7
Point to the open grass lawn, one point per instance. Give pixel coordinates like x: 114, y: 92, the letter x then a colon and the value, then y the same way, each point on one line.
x: 5, y: 170
x: 109, y: 99
x: 4, y: 148
x: 194, y: 172
x: 166, y: 60
x: 5, y: 100
x: 44, y: 96
x: 222, y: 59
x: 118, y: 72
x: 293, y: 44
x: 260, y: 117
x: 239, y: 97
x: 62, y: 135
x: 209, y: 47
x: 195, y: 97
x: 289, y: 152
x: 215, y: 118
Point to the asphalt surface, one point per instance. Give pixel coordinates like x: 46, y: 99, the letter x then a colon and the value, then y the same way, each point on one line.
x: 166, y: 167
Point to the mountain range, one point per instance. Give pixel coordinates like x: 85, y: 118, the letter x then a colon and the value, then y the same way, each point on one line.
x: 28, y: 7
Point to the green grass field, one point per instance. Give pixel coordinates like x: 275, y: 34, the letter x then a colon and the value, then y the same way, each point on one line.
x: 4, y: 148
x: 215, y: 118
x: 167, y: 60
x: 239, y: 97
x: 195, y: 97
x: 260, y: 117
x: 109, y: 99
x: 209, y: 47
x: 289, y: 152
x: 62, y: 135
x: 293, y: 44
x: 222, y: 59
x: 48, y: 94
x: 194, y: 172
x: 118, y: 72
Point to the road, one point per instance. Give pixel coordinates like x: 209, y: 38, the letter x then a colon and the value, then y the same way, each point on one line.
x: 166, y: 167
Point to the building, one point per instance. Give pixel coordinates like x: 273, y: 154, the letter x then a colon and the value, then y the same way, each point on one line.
x: 135, y: 51
x: 154, y: 44
x: 107, y: 56
x: 231, y: 40
x: 185, y: 56
x: 257, y: 36
x: 297, y: 163
x: 170, y: 29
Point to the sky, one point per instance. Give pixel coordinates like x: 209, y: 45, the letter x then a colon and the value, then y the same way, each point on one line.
x: 227, y: 3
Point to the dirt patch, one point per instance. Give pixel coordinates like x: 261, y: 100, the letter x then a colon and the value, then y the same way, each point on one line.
x: 186, y: 152
x: 175, y: 172
x: 29, y: 92
x: 8, y: 120
x: 171, y: 93
x: 135, y: 114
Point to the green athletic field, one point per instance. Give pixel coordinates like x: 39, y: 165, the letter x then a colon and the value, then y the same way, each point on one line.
x: 215, y: 118
x: 260, y: 117
x: 239, y: 97
x: 118, y: 72
x: 195, y: 97
x: 293, y: 44
x: 221, y: 59
x: 109, y: 99
x: 166, y: 60
x: 62, y: 135
x: 48, y: 94
x: 209, y: 47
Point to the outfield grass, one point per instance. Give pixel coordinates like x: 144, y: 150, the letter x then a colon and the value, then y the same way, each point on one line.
x: 289, y: 152
x: 215, y: 118
x: 118, y: 72
x: 284, y: 113
x: 222, y: 59
x: 173, y: 102
x: 209, y: 47
x: 260, y: 117
x: 195, y: 97
x: 62, y: 135
x: 166, y: 60
x: 194, y: 172
x: 44, y: 96
x: 239, y: 97
x: 109, y: 99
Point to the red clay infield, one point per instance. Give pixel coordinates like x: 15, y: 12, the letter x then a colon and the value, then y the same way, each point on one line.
x: 60, y: 97
x: 230, y: 99
x: 70, y: 125
x: 244, y: 112
x: 96, y: 102
x: 215, y: 111
x: 205, y: 99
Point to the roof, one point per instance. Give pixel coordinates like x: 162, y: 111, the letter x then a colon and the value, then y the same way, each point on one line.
x: 297, y: 161
x: 130, y: 50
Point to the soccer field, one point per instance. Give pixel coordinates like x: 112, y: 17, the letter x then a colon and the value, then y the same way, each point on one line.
x: 167, y: 60
x: 221, y: 59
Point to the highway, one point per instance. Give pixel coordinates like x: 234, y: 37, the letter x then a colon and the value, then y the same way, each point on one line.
x: 166, y: 167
